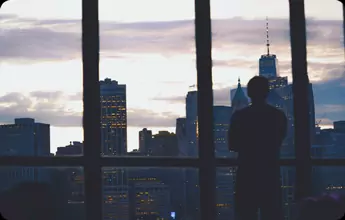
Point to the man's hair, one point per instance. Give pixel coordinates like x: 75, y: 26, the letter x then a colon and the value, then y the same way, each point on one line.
x: 258, y: 88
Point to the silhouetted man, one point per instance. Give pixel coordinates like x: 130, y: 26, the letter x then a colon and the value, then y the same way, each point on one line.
x: 256, y: 133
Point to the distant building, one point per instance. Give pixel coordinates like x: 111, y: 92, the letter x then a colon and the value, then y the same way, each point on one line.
x: 268, y: 65
x: 75, y: 148
x: 287, y: 94
x: 225, y: 189
x: 145, y: 138
x: 339, y: 126
x: 115, y: 194
x: 113, y: 118
x: 152, y: 199
x: 239, y: 100
x: 164, y: 144
x: 72, y: 177
x: 221, y: 121
x: 170, y: 181
x: 192, y: 197
x: 192, y: 123
x: 116, y: 202
x: 288, y: 181
x: 328, y: 178
x: 233, y: 92
x: 181, y: 135
x: 277, y: 82
x: 23, y: 138
x: 114, y: 143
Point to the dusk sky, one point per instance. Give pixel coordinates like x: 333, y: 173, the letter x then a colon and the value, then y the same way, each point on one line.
x: 149, y: 46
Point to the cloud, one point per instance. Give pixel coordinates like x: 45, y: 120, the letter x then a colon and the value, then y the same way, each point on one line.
x: 221, y: 96
x: 44, y: 95
x: 148, y: 118
x: 51, y: 107
x: 44, y: 106
x: 30, y: 39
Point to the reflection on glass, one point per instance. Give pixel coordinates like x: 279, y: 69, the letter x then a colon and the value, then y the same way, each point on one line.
x: 42, y: 193
x: 225, y: 192
x: 328, y: 179
x: 150, y: 193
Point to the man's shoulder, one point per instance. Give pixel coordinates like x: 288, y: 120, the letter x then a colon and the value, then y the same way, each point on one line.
x: 275, y: 110
x: 279, y: 113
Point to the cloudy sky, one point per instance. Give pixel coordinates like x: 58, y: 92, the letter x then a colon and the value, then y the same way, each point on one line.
x: 149, y: 45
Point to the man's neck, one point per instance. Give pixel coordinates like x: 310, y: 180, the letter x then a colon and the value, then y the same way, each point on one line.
x: 260, y: 103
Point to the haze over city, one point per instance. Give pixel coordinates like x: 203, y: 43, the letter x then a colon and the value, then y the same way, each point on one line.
x: 153, y: 53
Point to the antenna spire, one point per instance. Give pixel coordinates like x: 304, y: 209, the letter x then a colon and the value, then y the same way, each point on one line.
x: 267, y: 38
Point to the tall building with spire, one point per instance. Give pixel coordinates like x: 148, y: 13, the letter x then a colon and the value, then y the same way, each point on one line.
x: 239, y: 100
x: 268, y: 63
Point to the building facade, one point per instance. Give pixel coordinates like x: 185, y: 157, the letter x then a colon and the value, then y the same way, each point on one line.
x: 113, y: 118
x: 145, y: 139
x: 221, y: 121
x: 75, y: 148
x: 192, y: 123
x: 339, y: 126
x: 24, y: 138
x: 181, y: 135
x: 240, y: 99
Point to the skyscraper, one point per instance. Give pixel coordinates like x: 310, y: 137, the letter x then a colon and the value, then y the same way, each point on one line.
x: 23, y: 138
x: 192, y: 122
x: 192, y: 190
x: 114, y: 142
x: 181, y: 136
x: 239, y: 100
x: 145, y: 140
x: 164, y: 144
x: 268, y: 63
x: 113, y: 118
x: 221, y: 120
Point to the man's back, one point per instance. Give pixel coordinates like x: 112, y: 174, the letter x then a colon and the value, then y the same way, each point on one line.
x: 256, y: 133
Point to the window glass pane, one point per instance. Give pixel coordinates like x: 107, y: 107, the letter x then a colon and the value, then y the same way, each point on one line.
x: 326, y: 73
x: 150, y: 193
x: 327, y: 200
x: 41, y: 86
x: 328, y: 179
x: 241, y: 35
x: 226, y: 189
x: 42, y: 193
x: 147, y: 78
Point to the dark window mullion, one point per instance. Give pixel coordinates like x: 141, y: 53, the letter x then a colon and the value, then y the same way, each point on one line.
x: 207, y: 169
x: 301, y: 94
x: 91, y: 117
x: 343, y: 5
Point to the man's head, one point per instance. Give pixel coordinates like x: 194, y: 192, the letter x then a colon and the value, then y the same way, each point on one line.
x: 258, y: 89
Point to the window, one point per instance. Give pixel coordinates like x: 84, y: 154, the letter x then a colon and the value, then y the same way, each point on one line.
x: 96, y: 166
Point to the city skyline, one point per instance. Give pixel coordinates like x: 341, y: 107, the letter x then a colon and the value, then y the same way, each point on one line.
x: 157, y: 50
